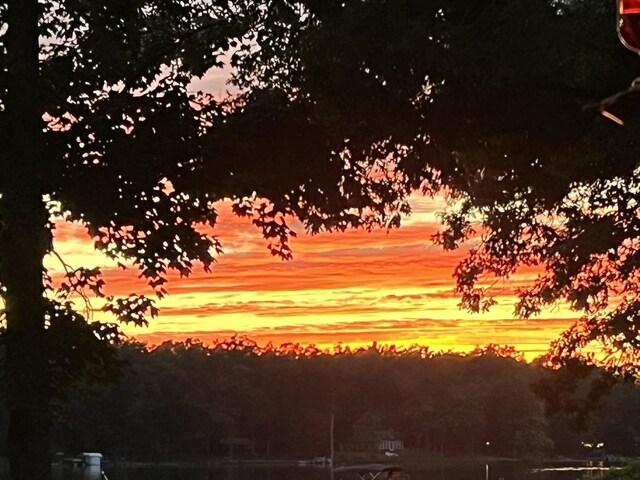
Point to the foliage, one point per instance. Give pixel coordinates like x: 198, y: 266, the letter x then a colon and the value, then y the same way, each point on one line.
x: 577, y: 389
x: 614, y: 422
x: 179, y: 401
x: 140, y: 160
x: 342, y: 109
x: 128, y: 151
x: 536, y: 182
x: 628, y: 472
x: 186, y: 396
x: 99, y: 127
x: 497, y: 121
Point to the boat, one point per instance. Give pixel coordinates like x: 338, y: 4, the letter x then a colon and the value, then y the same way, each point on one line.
x: 371, y: 471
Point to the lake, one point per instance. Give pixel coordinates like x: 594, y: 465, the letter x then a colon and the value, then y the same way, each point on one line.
x: 505, y: 471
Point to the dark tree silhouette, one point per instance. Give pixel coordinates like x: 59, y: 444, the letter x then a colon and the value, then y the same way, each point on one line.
x: 538, y: 182
x: 180, y: 401
x: 343, y: 108
x: 534, y: 178
x: 98, y: 127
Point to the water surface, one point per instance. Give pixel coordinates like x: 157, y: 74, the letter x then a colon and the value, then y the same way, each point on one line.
x: 506, y: 471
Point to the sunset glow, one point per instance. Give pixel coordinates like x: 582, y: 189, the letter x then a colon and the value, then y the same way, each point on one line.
x: 352, y: 288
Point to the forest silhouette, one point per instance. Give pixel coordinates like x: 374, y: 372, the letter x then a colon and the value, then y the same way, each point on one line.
x: 185, y: 401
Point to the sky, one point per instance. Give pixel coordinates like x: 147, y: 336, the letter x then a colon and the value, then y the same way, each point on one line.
x: 350, y: 288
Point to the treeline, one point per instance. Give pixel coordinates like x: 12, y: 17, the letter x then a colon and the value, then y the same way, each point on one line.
x: 187, y: 401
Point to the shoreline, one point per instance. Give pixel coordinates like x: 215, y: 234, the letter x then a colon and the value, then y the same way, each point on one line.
x: 427, y: 462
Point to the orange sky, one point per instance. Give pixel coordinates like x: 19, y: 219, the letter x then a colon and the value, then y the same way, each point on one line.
x: 354, y: 288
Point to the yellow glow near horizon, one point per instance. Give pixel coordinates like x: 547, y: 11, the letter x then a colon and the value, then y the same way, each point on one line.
x: 351, y: 288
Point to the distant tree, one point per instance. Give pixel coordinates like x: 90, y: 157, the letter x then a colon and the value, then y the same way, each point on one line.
x: 532, y: 439
x: 182, y: 400
x: 613, y: 425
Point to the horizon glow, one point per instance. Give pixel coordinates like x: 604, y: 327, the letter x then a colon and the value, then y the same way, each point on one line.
x: 352, y: 288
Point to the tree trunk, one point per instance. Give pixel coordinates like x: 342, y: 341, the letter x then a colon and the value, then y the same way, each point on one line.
x: 24, y: 240
x: 21, y: 252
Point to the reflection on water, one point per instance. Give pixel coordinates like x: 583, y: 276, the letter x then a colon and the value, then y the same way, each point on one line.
x: 505, y: 471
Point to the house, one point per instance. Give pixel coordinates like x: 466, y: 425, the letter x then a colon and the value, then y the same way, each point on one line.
x: 238, y: 446
x: 372, y: 434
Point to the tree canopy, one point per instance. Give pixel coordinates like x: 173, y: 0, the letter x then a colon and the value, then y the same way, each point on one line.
x: 342, y: 109
x: 540, y: 183
x: 99, y: 127
x: 534, y: 179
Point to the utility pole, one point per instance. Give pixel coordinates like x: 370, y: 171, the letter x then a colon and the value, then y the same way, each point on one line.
x: 331, y: 446
x: 331, y: 425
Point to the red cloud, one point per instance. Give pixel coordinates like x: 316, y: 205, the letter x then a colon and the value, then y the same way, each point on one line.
x: 356, y: 276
